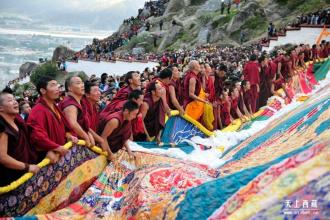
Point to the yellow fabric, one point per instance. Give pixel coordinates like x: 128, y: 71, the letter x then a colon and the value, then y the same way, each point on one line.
x: 195, y: 108
x: 208, y: 116
x: 81, y: 174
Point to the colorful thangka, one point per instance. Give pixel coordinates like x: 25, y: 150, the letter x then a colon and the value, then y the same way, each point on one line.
x: 281, y: 172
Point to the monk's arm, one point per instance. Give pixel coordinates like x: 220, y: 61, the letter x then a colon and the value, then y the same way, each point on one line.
x: 174, y: 99
x: 5, y: 159
x: 71, y: 113
x: 128, y: 149
x: 108, y: 129
x: 279, y: 67
x: 98, y: 139
x: 192, y: 84
x: 144, y: 110
x: 246, y: 112
x: 239, y: 113
x: 165, y: 104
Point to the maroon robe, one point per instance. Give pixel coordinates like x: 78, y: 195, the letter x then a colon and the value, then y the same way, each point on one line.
x: 186, y: 98
x: 82, y: 118
x: 251, y: 73
x: 178, y: 92
x: 118, y: 101
x: 155, y: 117
x: 47, y: 128
x: 18, y: 148
x: 120, y: 135
x: 210, y: 89
x: 218, y: 85
x: 247, y: 99
x: 241, y: 102
x: 91, y: 112
x: 225, y: 113
x: 265, y: 92
x: 234, y: 107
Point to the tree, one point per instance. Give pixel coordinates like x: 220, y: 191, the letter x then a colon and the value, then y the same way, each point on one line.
x: 47, y: 69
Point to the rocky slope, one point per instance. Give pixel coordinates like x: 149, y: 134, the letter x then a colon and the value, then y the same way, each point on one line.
x: 201, y: 21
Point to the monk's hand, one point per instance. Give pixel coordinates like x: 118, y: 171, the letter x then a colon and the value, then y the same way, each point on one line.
x: 91, y: 138
x: 181, y: 111
x: 111, y: 157
x: 61, y: 150
x: 105, y: 146
x: 52, y: 156
x: 168, y: 112
x: 87, y: 140
x: 33, y: 168
x: 73, y: 139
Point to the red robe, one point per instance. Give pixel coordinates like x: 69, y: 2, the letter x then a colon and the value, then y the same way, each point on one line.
x: 186, y: 98
x: 82, y: 118
x: 265, y: 90
x: 234, y: 107
x: 324, y: 53
x: 91, y: 112
x: 225, y: 114
x: 178, y: 92
x: 118, y: 101
x: 218, y: 86
x: 18, y: 148
x: 155, y: 117
x: 120, y: 135
x: 247, y: 99
x: 241, y: 101
x: 47, y: 128
x: 210, y: 89
x: 251, y: 73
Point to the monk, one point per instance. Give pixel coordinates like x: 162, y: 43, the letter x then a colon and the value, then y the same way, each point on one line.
x: 272, y: 75
x: 194, y: 97
x: 208, y: 82
x: 90, y: 103
x: 138, y: 127
x: 175, y: 90
x: 116, y: 128
x: 90, y: 107
x: 49, y: 129
x: 247, y: 95
x: 16, y: 155
x: 234, y: 98
x: 73, y: 110
x: 225, y: 107
x: 251, y: 73
x: 153, y: 111
x: 265, y: 91
x: 164, y: 80
x: 241, y: 103
x: 133, y: 81
x: 219, y: 80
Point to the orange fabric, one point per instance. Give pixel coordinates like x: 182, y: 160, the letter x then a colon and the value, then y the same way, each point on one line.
x: 195, y: 108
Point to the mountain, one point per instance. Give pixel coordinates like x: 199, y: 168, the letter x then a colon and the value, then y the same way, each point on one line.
x: 201, y: 21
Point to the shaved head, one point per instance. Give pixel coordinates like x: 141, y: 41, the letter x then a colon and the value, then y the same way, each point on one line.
x: 3, y: 95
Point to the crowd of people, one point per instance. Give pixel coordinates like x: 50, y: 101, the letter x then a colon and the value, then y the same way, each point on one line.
x: 321, y: 17
x: 226, y: 83
x: 103, y: 49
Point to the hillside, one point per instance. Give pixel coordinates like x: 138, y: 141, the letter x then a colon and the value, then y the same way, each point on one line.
x: 200, y: 21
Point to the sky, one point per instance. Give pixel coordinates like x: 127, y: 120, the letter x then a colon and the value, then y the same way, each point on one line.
x: 96, y: 14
